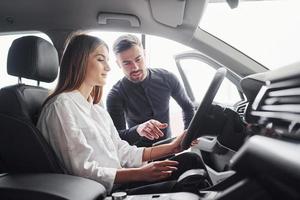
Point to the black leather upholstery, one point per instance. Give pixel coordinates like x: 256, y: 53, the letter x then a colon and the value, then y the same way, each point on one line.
x: 33, y: 58
x: 22, y: 147
x: 49, y: 187
x: 22, y: 101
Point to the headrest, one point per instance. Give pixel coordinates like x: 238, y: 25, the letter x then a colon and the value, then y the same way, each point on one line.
x: 33, y: 58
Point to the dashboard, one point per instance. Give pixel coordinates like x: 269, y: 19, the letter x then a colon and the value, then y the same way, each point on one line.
x: 274, y: 101
x: 271, y: 155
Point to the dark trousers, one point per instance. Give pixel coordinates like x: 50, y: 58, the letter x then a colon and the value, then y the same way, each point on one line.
x: 186, y: 162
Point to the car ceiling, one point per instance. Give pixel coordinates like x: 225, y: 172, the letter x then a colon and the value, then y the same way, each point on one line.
x: 54, y: 16
x: 58, y: 18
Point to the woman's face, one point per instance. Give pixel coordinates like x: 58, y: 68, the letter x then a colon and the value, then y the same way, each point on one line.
x: 97, y: 67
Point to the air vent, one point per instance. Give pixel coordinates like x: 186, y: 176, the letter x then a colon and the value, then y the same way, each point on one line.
x: 278, y: 104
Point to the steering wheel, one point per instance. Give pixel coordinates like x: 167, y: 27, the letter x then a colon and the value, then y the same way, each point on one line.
x: 195, y: 126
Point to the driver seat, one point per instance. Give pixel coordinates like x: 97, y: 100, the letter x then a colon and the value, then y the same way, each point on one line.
x: 22, y: 147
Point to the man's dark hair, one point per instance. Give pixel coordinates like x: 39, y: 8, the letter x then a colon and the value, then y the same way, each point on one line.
x: 125, y: 42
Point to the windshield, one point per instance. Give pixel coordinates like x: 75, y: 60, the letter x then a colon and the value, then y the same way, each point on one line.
x: 268, y: 31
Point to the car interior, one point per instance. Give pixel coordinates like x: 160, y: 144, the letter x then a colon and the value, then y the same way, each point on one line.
x: 250, y: 149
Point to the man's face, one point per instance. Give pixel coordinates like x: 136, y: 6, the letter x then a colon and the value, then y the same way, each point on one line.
x: 131, y: 61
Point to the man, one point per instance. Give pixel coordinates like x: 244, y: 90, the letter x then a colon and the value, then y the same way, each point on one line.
x: 142, y: 97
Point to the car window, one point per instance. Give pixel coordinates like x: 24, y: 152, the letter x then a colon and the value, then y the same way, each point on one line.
x: 200, y: 74
x: 266, y: 30
x: 5, y: 43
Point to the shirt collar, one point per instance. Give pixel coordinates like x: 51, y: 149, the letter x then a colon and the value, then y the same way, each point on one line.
x: 77, y: 97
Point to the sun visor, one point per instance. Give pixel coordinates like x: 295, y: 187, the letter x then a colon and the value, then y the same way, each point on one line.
x: 168, y: 12
x: 104, y: 18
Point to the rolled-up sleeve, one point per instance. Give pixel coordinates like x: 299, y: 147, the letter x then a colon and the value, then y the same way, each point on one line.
x: 129, y: 155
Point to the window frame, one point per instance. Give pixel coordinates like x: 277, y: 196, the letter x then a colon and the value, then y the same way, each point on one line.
x: 195, y: 55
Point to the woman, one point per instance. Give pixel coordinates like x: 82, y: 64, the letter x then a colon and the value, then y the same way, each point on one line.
x: 82, y: 133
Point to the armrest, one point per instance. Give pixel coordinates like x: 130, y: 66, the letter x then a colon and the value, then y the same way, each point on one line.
x: 49, y: 186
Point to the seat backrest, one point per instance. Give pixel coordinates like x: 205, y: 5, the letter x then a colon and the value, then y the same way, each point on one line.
x: 22, y: 146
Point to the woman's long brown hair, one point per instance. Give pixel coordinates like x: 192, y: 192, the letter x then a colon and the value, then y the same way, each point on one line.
x: 73, y: 65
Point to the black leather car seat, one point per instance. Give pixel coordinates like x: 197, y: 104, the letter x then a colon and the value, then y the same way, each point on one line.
x: 22, y: 147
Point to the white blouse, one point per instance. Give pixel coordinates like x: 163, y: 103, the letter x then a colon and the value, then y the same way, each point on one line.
x: 84, y: 138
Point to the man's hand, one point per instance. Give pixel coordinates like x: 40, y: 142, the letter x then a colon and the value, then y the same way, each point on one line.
x: 151, y: 129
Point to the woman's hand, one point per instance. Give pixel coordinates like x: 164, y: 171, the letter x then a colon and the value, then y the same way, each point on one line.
x: 194, y: 142
x: 176, y: 144
x: 157, y: 170
x: 162, y: 150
